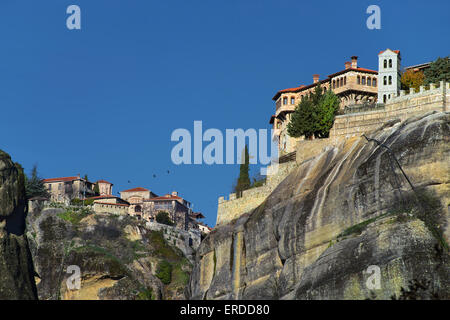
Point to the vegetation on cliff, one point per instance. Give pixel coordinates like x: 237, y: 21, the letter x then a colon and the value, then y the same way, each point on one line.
x: 117, y: 255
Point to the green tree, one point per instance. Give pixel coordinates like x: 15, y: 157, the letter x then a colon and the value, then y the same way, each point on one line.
x: 163, y: 217
x: 96, y: 189
x: 164, y: 272
x: 314, y: 115
x: 243, y: 181
x: 34, y: 185
x: 439, y: 70
x: 327, y: 107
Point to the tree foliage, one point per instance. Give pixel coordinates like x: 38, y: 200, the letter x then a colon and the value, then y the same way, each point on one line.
x: 164, y: 218
x: 314, y: 115
x: 34, y: 185
x: 164, y: 272
x: 243, y: 181
x: 439, y: 70
x: 411, y: 79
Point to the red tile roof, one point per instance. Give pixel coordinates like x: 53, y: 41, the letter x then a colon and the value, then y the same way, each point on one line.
x: 136, y: 189
x: 353, y: 69
x: 396, y: 51
x: 303, y: 87
x: 62, y: 179
x: 103, y: 181
x: 163, y: 198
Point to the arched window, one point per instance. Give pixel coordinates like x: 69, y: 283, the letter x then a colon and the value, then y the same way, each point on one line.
x: 385, y: 80
x: 138, y: 209
x: 385, y: 63
x: 292, y: 100
x: 369, y: 81
x: 342, y: 82
x: 390, y: 63
x: 374, y: 82
x: 345, y: 80
x: 334, y: 84
x: 358, y: 80
x: 384, y: 98
x: 390, y: 79
x: 285, y: 100
x: 363, y: 80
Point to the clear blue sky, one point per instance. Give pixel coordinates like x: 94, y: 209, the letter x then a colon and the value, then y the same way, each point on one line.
x: 104, y: 100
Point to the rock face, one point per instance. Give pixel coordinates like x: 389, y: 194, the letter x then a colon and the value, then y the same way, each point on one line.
x: 338, y: 219
x: 16, y: 267
x: 117, y: 257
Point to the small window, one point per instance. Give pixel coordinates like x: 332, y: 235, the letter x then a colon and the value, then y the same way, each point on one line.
x: 363, y: 80
x: 342, y: 82
x: 374, y: 82
x: 369, y: 81
x: 390, y: 79
x: 285, y: 100
x: 384, y: 98
x: 385, y: 63
x: 334, y: 84
x: 292, y: 100
x: 390, y: 63
x: 358, y: 80
x: 345, y: 81
x: 385, y: 80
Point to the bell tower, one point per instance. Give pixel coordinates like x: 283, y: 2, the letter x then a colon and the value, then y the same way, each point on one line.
x: 388, y: 75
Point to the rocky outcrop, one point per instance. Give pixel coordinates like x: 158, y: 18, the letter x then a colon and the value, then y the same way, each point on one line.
x: 338, y: 219
x: 117, y: 256
x: 16, y: 267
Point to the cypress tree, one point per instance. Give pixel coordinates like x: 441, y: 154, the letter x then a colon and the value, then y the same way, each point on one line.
x: 243, y: 182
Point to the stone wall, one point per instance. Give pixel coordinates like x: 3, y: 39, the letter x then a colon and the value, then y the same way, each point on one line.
x: 234, y: 207
x: 401, y: 107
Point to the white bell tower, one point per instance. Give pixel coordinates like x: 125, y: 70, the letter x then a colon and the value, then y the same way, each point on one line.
x: 388, y: 75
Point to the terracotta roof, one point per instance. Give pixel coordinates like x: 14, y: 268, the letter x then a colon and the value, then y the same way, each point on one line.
x: 163, y: 198
x: 103, y: 181
x: 136, y: 189
x: 198, y: 215
x: 113, y: 204
x: 62, y: 179
x: 353, y: 69
x: 303, y: 87
x: 396, y: 51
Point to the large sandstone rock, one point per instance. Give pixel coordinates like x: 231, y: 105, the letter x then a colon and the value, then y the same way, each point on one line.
x: 16, y: 267
x: 306, y: 241
x: 117, y: 257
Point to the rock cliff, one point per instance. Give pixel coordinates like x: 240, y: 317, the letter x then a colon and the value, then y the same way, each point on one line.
x: 117, y: 256
x: 16, y: 267
x: 338, y: 216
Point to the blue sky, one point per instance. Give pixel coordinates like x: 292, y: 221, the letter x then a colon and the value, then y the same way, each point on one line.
x: 105, y: 99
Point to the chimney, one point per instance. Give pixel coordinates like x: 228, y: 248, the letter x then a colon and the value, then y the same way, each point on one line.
x: 354, y: 62
x: 174, y: 193
x: 315, y: 78
x: 348, y: 65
